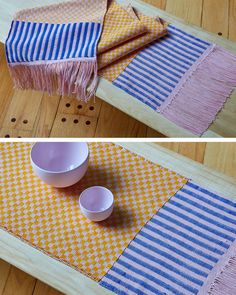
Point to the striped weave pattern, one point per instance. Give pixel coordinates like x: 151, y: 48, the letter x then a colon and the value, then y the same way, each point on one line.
x: 53, y: 48
x: 175, y: 252
x: 30, y: 42
x: 156, y: 70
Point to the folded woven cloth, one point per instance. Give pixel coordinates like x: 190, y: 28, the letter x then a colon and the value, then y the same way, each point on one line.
x: 114, y: 62
x: 54, y: 48
x: 124, y: 32
x: 120, y: 25
x: 43, y: 52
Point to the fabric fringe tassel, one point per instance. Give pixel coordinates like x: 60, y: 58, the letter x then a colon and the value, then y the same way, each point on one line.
x: 222, y: 279
x: 226, y: 282
x: 203, y: 90
x: 78, y: 78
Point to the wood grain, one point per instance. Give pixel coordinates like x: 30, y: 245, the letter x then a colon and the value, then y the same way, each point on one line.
x: 6, y: 87
x: 4, y: 273
x: 216, y: 16
x: 222, y: 157
x: 189, y: 10
x: 191, y: 150
x: 44, y: 120
x: 215, y: 155
x: 117, y: 124
x: 232, y: 20
x: 45, y: 116
x: 22, y: 110
x: 43, y: 289
x: 18, y: 283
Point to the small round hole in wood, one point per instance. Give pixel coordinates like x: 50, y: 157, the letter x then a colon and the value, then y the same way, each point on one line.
x: 13, y: 120
x: 68, y: 105
x: 220, y: 34
x: 91, y: 108
x: 19, y: 136
x: 63, y: 120
x: 80, y: 107
x: 88, y: 122
x: 76, y: 121
x: 25, y: 121
x: 7, y: 136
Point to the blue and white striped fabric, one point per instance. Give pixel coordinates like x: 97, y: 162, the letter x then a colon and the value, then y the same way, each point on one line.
x: 176, y: 250
x: 31, y: 42
x: 156, y: 71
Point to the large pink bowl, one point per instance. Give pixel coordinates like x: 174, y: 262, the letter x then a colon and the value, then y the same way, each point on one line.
x: 60, y: 164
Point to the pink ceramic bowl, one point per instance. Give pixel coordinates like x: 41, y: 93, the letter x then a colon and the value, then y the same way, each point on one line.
x: 60, y: 164
x: 96, y: 203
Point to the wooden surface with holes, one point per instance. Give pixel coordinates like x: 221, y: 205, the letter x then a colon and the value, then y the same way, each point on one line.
x: 31, y: 114
x: 220, y: 157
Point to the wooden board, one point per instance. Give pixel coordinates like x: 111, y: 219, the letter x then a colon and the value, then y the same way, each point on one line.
x: 218, y: 156
x: 224, y: 126
x: 70, y: 281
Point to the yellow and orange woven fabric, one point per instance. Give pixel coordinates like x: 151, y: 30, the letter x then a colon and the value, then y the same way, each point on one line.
x: 50, y: 219
x: 120, y: 25
x: 125, y: 33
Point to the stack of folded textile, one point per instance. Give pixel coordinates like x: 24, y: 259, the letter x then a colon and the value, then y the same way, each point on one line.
x: 54, y: 48
x: 125, y: 33
x: 62, y: 48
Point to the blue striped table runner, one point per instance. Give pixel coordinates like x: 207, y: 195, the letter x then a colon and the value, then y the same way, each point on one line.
x: 156, y: 71
x: 186, y: 79
x: 177, y: 249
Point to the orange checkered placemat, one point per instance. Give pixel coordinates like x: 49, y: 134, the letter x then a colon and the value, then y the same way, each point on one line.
x: 50, y: 219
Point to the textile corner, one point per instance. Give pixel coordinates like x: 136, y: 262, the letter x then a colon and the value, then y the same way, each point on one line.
x: 43, y: 53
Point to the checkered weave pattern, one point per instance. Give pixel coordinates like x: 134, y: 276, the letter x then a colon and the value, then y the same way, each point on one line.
x: 72, y: 11
x: 119, y: 26
x: 114, y: 62
x: 50, y: 219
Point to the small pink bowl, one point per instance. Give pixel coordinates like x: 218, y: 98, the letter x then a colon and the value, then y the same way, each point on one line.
x: 96, y: 203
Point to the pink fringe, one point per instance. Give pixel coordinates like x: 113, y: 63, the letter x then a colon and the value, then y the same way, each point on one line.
x: 63, y: 78
x: 203, y: 91
x: 222, y: 279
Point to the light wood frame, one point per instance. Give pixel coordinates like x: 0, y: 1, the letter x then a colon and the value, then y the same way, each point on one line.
x: 119, y: 98
x: 70, y: 281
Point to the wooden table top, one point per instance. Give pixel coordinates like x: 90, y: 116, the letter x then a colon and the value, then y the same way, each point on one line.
x: 32, y: 114
x: 69, y: 281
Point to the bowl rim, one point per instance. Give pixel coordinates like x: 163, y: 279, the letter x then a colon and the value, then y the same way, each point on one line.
x: 98, y: 211
x: 62, y: 171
